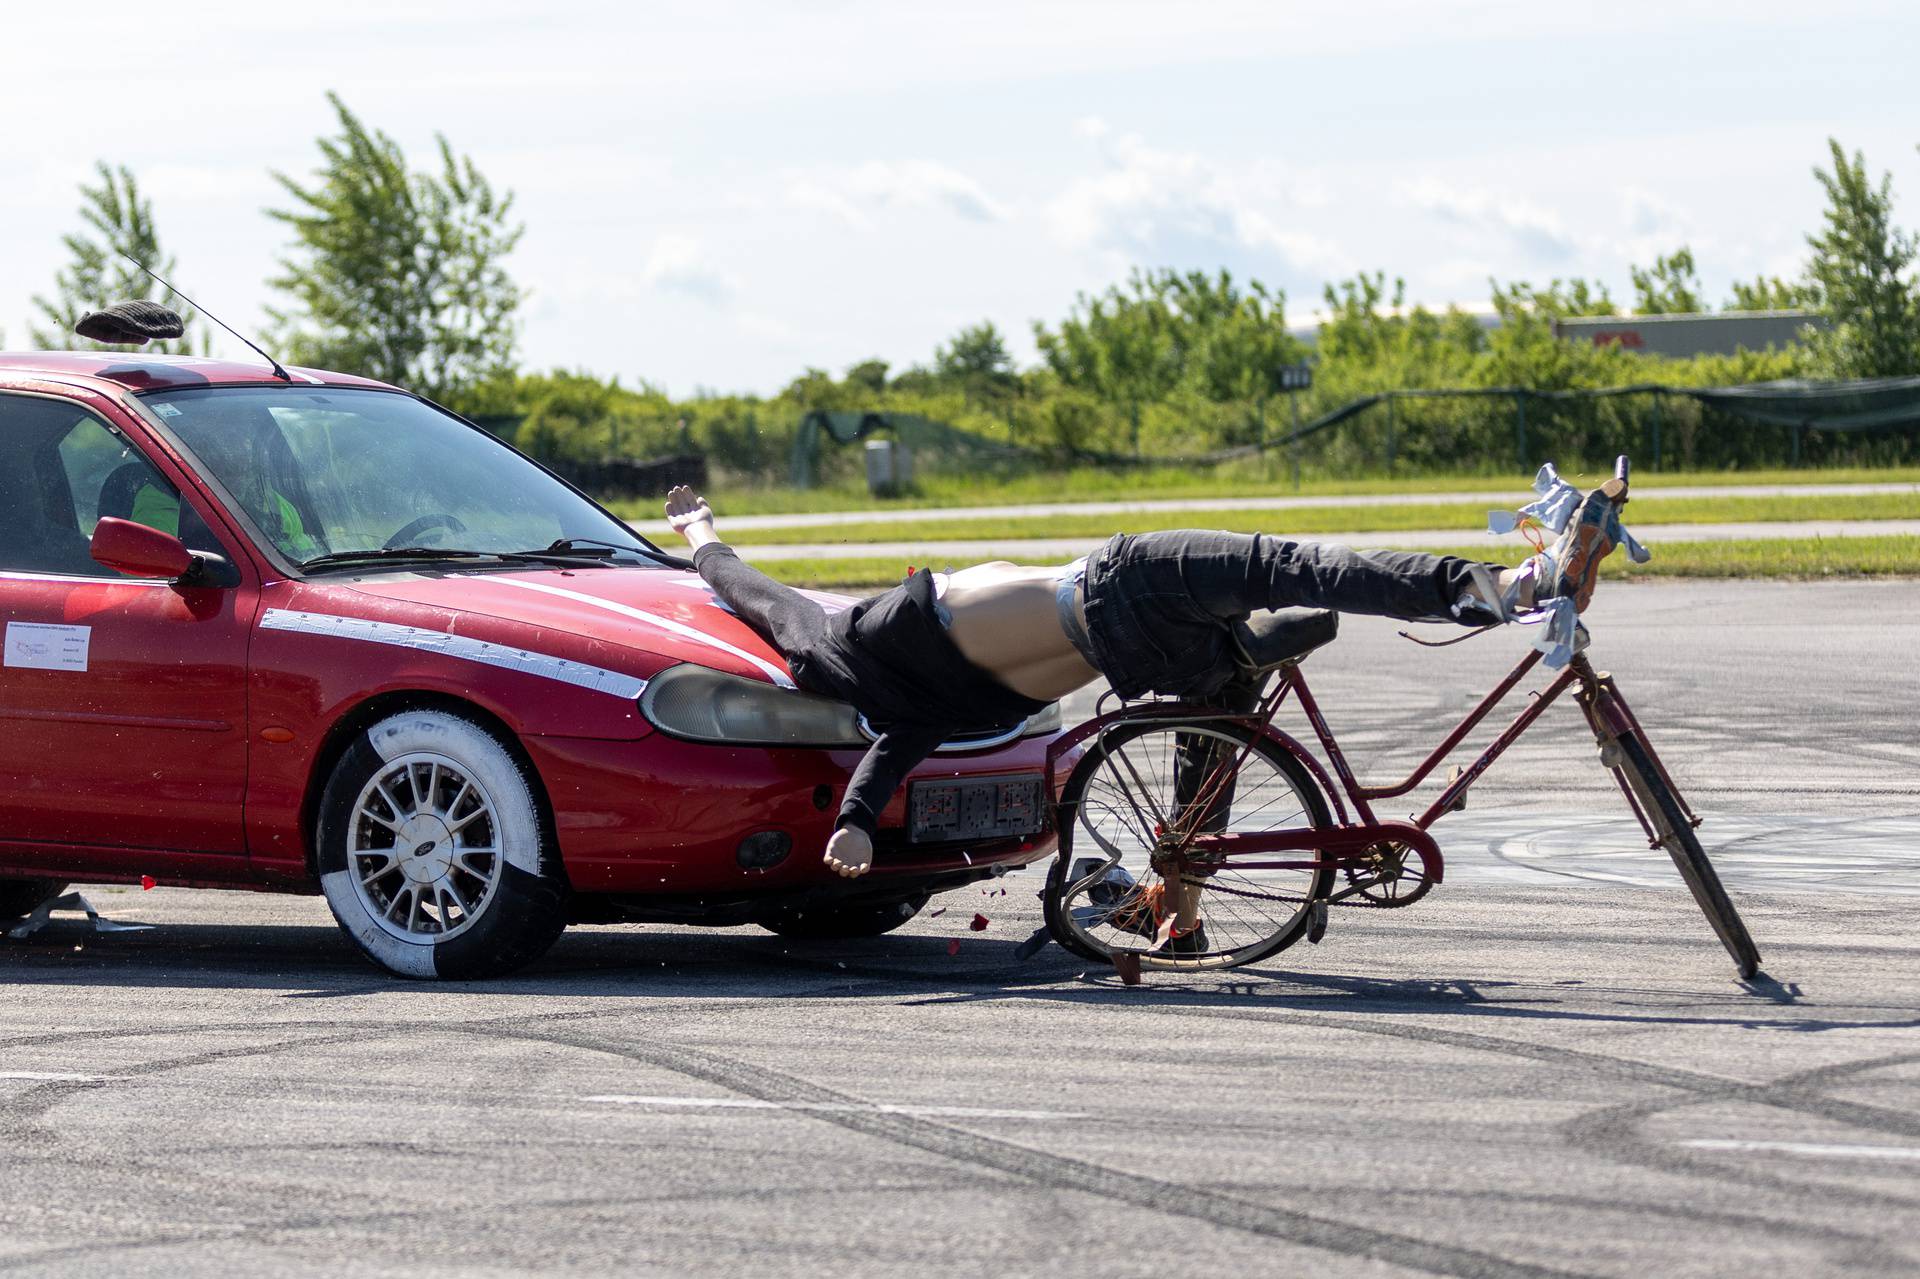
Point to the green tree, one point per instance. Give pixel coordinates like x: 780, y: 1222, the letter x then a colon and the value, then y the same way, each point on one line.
x: 1671, y: 286
x: 1525, y: 351
x: 976, y: 360
x: 576, y: 417
x: 869, y: 376
x: 1232, y: 344
x: 399, y: 275
x: 1771, y: 293
x: 121, y: 222
x: 1118, y: 347
x: 1863, y: 267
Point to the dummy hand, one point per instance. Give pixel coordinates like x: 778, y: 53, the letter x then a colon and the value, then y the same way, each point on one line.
x: 685, y: 507
x: 849, y: 852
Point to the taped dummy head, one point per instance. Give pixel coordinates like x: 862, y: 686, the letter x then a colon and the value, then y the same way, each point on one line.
x: 131, y: 323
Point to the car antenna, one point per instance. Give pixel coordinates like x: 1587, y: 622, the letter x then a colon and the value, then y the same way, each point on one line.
x: 278, y: 372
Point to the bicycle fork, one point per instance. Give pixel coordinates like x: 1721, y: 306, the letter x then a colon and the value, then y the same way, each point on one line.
x: 1611, y: 719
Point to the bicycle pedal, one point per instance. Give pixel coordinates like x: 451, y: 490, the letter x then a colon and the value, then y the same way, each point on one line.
x: 1459, y: 804
x: 1318, y: 928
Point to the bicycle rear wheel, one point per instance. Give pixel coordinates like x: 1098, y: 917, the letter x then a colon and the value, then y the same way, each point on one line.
x: 1134, y: 783
x: 1670, y: 823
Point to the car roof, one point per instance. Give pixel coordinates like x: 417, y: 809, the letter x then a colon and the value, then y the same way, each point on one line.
x: 133, y: 371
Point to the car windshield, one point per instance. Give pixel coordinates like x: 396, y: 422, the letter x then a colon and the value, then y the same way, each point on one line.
x: 325, y: 471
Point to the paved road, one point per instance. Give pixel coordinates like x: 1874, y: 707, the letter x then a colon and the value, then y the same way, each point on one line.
x: 1035, y: 549
x: 1546, y: 1068
x: 1492, y: 497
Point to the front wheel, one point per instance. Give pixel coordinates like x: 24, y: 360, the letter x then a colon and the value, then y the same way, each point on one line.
x: 1105, y: 892
x: 1670, y: 823
x: 432, y: 852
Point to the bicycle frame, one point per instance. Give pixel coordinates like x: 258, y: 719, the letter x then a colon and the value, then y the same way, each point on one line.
x: 1350, y: 842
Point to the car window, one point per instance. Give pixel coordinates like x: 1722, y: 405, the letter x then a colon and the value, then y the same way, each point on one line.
x: 61, y: 470
x: 325, y: 470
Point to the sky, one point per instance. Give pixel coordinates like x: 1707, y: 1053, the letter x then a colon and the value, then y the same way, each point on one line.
x: 718, y: 195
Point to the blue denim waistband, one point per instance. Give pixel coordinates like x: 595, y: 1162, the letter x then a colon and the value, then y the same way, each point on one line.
x: 1066, y: 588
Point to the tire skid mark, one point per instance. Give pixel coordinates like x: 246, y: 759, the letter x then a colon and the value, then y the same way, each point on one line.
x: 1060, y: 1172
x: 1787, y: 1093
x: 305, y: 1223
x: 21, y: 1112
x: 1598, y: 1130
x: 1792, y: 1228
x: 1613, y: 1132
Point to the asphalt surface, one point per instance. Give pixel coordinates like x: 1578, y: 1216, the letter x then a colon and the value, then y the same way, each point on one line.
x: 1547, y: 1067
x: 1034, y: 549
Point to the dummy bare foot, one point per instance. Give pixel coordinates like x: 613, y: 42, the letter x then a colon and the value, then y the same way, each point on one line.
x: 1510, y: 578
x: 1501, y: 595
x: 849, y: 852
x: 689, y: 515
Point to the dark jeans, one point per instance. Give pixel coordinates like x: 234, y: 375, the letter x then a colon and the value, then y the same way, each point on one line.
x: 1159, y: 604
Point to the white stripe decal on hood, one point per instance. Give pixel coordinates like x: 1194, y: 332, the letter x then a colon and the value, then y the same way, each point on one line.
x: 544, y: 665
x: 774, y: 673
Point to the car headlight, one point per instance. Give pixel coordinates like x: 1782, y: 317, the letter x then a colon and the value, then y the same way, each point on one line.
x: 706, y: 705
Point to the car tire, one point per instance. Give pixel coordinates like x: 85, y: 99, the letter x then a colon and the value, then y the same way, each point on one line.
x: 844, y: 922
x: 432, y: 851
x: 21, y: 897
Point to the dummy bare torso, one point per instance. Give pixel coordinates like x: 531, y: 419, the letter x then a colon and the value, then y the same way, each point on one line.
x: 1006, y: 622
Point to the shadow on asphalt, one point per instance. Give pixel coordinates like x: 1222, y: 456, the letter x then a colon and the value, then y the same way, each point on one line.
x: 651, y: 963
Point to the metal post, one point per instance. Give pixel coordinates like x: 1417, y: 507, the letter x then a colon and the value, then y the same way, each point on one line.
x: 1658, y: 398
x: 1520, y: 427
x: 1293, y: 440
x: 1795, y: 460
x: 1391, y: 400
x: 1136, y: 427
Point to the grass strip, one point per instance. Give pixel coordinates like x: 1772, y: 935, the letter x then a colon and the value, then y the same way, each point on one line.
x: 1092, y: 484
x: 1324, y: 519
x: 1784, y: 558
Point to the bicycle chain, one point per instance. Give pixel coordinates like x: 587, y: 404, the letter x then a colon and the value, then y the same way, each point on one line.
x: 1356, y: 900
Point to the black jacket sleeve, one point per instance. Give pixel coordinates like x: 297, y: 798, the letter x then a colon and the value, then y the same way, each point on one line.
x: 883, y: 768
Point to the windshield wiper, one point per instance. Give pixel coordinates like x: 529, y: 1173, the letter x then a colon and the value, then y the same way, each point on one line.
x: 404, y: 553
x: 586, y: 546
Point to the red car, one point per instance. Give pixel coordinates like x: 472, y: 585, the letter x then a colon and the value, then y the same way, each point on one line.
x: 319, y: 635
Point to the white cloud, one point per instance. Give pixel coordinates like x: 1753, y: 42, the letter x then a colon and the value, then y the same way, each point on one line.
x: 854, y: 195
x: 1158, y: 207
x: 679, y: 263
x: 924, y: 183
x: 1533, y: 228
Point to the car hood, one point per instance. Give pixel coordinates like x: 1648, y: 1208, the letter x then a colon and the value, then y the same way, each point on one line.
x: 667, y: 612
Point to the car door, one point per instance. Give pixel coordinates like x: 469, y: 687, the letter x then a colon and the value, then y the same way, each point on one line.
x: 122, y: 702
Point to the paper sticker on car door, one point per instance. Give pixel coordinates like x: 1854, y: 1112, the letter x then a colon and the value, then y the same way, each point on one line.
x: 41, y: 647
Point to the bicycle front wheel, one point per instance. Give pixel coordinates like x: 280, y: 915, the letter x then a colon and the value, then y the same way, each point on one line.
x: 1106, y: 892
x: 1670, y: 823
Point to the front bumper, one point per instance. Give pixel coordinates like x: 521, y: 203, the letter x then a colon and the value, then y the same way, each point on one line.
x: 664, y: 818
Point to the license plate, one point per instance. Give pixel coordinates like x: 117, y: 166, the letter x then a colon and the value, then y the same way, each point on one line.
x: 974, y: 808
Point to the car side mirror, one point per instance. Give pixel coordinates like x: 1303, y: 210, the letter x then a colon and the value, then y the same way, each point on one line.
x: 139, y: 551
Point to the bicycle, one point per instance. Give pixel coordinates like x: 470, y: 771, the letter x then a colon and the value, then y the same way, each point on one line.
x: 1187, y: 802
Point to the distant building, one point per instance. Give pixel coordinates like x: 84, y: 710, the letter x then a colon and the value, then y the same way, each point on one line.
x: 1721, y: 333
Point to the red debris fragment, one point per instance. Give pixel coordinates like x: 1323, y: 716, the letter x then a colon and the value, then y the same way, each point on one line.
x: 146, y: 882
x: 979, y: 924
x: 953, y: 947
